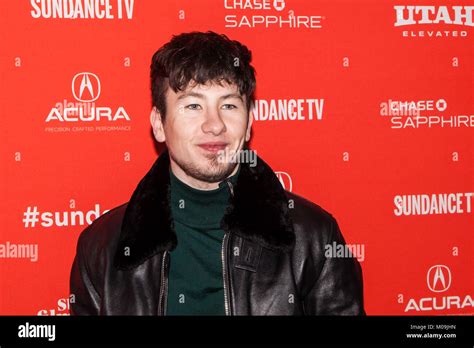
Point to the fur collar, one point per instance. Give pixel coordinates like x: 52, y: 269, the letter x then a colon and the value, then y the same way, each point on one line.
x: 258, y: 211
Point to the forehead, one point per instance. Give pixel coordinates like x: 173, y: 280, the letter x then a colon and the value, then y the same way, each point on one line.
x: 210, y: 87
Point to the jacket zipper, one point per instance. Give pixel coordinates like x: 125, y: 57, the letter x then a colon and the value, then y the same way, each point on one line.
x: 224, y: 266
x: 231, y: 187
x: 224, y: 275
x: 164, y: 284
x: 164, y: 275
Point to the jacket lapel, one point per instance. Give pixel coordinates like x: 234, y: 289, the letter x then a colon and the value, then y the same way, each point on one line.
x: 258, y: 211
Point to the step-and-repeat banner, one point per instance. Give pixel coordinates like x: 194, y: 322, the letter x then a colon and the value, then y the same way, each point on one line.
x: 363, y: 107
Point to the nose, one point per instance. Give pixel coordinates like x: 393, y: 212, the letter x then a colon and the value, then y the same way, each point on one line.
x: 213, y: 123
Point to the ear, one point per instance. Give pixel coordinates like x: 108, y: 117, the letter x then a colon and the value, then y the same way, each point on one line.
x: 157, y: 125
x: 249, y: 127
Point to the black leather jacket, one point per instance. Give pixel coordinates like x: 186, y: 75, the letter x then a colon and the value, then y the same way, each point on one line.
x: 273, y: 259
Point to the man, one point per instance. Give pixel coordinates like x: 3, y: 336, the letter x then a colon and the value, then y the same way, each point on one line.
x: 204, y: 233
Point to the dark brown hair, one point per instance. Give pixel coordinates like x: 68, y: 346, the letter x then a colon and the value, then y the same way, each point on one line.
x: 200, y: 57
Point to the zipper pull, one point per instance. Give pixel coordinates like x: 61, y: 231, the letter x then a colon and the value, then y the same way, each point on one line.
x: 231, y: 187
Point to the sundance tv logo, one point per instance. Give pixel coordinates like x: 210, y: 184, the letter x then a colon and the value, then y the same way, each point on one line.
x: 438, y: 279
x: 82, y: 9
x: 86, y: 89
x: 288, y: 109
x: 432, y: 17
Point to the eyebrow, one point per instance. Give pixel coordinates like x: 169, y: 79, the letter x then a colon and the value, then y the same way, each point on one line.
x: 200, y: 95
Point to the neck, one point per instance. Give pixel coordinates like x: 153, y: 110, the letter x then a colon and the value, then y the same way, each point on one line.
x: 196, y: 183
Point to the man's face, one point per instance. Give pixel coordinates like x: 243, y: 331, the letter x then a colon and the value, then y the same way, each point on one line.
x: 201, y: 122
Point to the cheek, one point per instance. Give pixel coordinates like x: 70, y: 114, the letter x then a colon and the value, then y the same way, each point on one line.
x: 182, y: 132
x: 237, y: 128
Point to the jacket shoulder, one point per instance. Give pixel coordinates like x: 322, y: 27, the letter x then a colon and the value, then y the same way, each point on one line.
x: 308, y: 217
x: 314, y: 227
x: 104, y: 231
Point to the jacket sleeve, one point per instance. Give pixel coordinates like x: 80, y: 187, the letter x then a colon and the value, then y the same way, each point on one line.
x: 338, y: 290
x: 84, y: 298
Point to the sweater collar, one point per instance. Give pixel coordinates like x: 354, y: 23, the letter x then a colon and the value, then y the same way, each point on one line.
x: 257, y: 211
x: 197, y: 208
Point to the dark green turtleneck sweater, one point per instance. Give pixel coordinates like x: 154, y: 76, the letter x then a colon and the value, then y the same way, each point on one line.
x: 195, y: 285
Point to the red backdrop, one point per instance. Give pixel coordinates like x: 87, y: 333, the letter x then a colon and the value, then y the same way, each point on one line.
x: 378, y: 98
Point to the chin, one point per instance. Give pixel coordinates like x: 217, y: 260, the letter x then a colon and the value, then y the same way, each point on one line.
x: 213, y: 175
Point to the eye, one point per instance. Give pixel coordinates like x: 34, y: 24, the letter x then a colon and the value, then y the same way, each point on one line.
x: 193, y: 106
x: 229, y: 106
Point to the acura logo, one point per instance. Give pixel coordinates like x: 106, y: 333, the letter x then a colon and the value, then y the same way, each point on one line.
x: 285, y: 180
x: 438, y: 278
x: 86, y: 87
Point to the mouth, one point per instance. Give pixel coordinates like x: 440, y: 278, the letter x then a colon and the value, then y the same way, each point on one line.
x: 213, y: 147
